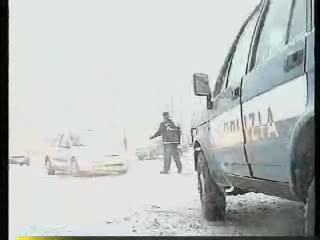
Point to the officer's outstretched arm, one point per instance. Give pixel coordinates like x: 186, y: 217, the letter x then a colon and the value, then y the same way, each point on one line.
x: 158, y: 133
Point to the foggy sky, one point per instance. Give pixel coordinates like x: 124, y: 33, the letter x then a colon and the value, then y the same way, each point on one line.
x: 113, y: 63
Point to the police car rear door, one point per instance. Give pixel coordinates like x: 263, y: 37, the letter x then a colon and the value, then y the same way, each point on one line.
x: 274, y: 91
x: 227, y: 139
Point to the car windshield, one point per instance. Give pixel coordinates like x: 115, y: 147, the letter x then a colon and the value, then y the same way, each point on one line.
x: 79, y: 140
x: 95, y: 140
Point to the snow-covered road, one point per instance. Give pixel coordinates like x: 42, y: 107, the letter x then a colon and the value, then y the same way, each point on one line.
x: 141, y: 202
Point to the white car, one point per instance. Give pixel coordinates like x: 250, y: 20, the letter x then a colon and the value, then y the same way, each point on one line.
x: 18, y: 155
x: 85, y: 151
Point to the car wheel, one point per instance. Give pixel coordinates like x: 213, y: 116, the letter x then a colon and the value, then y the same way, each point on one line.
x: 310, y: 211
x: 123, y: 171
x: 74, y: 168
x: 212, y: 197
x: 50, y: 170
x: 27, y: 163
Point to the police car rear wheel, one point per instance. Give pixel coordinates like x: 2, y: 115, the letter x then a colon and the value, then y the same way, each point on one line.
x: 211, y: 195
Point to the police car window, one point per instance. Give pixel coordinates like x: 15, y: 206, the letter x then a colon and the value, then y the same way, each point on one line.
x: 240, y: 56
x: 220, y: 84
x: 298, y: 20
x: 274, y: 31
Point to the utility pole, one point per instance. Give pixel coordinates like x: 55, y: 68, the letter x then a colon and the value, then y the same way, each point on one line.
x: 125, y: 143
x: 181, y: 115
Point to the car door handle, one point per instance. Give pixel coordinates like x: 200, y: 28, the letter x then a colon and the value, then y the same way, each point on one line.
x: 235, y: 93
x: 293, y: 60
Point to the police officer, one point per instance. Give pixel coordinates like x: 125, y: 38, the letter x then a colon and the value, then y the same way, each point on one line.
x: 167, y: 130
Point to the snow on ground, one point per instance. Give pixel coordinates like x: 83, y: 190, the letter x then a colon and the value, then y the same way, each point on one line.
x: 141, y: 202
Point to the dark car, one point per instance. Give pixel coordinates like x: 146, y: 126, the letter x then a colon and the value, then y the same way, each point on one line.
x: 257, y: 133
x: 153, y: 150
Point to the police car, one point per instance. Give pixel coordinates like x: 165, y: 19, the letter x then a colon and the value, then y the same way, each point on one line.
x: 257, y: 131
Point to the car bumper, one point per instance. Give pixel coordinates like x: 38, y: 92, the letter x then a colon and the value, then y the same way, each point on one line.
x: 106, y: 168
x: 20, y: 160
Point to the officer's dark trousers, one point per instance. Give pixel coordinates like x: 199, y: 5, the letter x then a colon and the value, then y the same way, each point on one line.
x: 171, y: 150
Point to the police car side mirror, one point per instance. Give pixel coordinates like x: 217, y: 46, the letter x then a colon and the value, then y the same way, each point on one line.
x: 201, y: 87
x: 201, y: 84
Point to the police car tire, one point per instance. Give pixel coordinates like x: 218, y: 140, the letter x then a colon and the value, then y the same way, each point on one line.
x: 309, y: 229
x: 236, y: 191
x: 213, y: 201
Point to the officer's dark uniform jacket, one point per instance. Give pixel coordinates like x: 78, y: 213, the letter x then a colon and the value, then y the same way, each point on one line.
x: 169, y: 132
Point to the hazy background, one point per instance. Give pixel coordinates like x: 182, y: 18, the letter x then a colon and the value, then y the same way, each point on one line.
x: 113, y: 63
